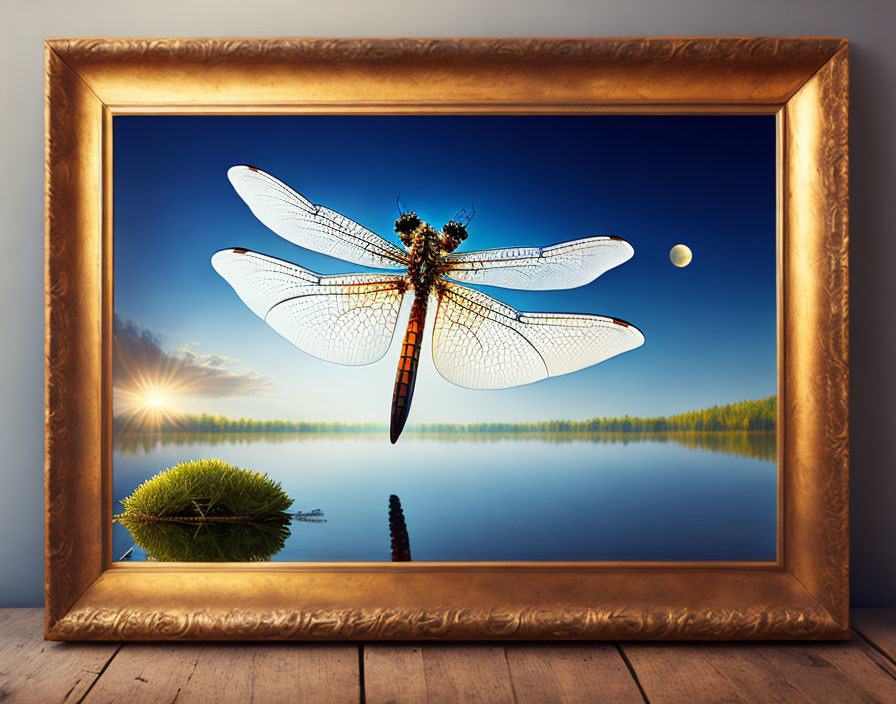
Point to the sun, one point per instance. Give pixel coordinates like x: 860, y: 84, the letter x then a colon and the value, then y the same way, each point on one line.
x: 155, y: 400
x: 146, y: 396
x: 148, y: 406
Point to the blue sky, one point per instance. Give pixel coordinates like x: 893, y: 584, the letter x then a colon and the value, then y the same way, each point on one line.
x: 705, y: 181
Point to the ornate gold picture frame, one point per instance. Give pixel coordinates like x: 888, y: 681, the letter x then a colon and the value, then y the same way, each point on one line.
x: 804, y: 595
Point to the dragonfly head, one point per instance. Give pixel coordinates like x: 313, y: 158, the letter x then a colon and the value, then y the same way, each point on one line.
x: 406, y: 225
x: 453, y: 233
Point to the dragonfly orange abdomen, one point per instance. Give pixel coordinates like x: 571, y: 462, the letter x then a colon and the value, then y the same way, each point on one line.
x: 407, y: 366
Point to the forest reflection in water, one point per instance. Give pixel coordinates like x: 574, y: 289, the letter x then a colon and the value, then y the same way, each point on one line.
x: 756, y: 445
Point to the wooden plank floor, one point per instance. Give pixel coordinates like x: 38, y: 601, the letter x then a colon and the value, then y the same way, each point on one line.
x: 34, y: 671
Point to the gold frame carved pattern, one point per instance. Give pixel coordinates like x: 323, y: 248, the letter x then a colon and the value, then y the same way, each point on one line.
x: 804, y: 82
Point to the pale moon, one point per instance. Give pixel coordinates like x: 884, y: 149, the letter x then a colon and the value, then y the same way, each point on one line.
x: 680, y: 255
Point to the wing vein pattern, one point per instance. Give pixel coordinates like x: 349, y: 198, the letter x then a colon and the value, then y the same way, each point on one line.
x: 481, y: 343
x: 560, y: 266
x: 345, y: 318
x: 295, y: 218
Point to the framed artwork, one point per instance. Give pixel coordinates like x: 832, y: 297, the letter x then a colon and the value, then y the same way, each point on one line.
x: 447, y: 339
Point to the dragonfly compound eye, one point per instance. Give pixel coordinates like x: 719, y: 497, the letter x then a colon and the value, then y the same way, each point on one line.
x: 406, y: 224
x: 453, y: 233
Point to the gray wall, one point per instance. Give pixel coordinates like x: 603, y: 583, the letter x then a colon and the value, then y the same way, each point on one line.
x: 868, y: 24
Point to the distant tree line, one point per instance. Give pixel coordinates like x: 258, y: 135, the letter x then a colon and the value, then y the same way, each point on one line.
x: 745, y: 415
x: 208, y: 423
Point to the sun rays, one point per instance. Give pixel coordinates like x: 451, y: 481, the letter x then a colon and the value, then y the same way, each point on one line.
x: 147, y: 386
x: 149, y: 402
x: 153, y: 385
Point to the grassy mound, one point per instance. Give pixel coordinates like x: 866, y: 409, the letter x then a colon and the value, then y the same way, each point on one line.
x: 207, y: 510
x: 207, y: 490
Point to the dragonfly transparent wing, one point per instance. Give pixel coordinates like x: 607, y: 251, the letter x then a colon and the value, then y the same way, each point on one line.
x: 347, y: 319
x: 314, y: 227
x: 564, y: 265
x: 481, y: 343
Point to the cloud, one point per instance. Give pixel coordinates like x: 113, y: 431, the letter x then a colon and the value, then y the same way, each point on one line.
x: 142, y: 364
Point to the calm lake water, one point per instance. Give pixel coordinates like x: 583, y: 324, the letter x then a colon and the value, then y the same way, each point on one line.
x: 689, y: 496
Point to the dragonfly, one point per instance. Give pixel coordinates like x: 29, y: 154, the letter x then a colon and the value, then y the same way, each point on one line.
x: 478, y: 342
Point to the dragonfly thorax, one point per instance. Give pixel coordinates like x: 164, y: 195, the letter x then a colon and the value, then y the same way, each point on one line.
x: 423, y: 245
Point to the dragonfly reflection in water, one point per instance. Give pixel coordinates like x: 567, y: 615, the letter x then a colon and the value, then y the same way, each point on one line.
x: 478, y: 342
